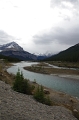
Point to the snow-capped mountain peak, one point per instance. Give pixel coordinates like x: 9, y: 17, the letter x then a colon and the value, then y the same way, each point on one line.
x: 41, y: 56
x: 11, y: 46
x: 13, y: 50
x: 48, y: 54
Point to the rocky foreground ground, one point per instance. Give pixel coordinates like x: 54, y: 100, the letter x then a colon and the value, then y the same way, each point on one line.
x: 17, y: 106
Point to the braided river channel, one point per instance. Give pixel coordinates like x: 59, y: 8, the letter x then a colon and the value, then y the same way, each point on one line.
x: 62, y: 84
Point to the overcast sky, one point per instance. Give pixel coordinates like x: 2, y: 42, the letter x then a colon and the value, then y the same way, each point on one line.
x: 40, y: 26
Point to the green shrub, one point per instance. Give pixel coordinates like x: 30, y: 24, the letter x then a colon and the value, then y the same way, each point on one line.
x: 40, y: 96
x: 21, y: 85
x: 48, y: 101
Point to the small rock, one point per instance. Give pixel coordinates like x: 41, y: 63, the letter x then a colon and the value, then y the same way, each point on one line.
x: 46, y: 91
x: 1, y: 74
x: 75, y: 111
x: 72, y: 100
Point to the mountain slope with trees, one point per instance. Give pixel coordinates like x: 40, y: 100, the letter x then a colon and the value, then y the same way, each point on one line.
x: 71, y: 54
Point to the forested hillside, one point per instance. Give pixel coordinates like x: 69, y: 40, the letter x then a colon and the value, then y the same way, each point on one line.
x: 71, y: 54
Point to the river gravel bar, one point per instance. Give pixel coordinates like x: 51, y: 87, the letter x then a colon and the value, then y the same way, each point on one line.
x: 67, y: 76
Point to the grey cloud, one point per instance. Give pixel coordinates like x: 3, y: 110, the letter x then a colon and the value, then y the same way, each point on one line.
x: 42, y: 39
x: 62, y: 36
x: 5, y: 38
x: 59, y: 4
x: 15, y: 6
x: 66, y: 17
x: 70, y: 36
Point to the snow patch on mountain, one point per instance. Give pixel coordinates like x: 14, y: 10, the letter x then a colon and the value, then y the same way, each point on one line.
x: 41, y: 56
x: 47, y: 54
x: 11, y: 46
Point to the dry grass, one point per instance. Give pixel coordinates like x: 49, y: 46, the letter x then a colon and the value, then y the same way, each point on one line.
x: 45, y: 70
x: 4, y: 75
x: 64, y: 64
x: 42, y: 64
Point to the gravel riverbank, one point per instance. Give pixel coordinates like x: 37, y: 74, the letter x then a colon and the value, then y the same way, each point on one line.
x: 17, y: 106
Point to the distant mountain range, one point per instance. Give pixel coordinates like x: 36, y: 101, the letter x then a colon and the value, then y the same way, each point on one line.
x: 71, y: 54
x: 43, y: 56
x: 14, y: 50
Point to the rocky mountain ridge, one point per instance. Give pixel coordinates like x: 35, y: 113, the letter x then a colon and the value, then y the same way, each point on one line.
x: 14, y: 50
x: 11, y: 46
